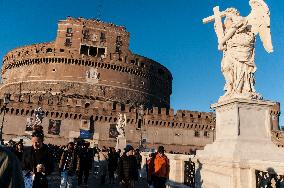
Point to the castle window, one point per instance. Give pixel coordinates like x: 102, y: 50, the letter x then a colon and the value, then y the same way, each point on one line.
x: 48, y: 50
x: 206, y: 133
x: 132, y: 61
x: 196, y: 133
x: 118, y: 44
x: 61, y: 50
x: 93, y: 51
x: 101, y: 52
x: 122, y: 107
x: 68, y: 42
x: 87, y: 104
x: 53, y: 70
x: 84, y: 49
x: 139, y: 125
x: 113, y: 106
x: 118, y: 39
x: 86, y: 35
x: 69, y: 30
x: 117, y: 49
x: 103, y: 37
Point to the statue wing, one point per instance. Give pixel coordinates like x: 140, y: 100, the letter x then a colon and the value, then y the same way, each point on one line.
x: 259, y: 19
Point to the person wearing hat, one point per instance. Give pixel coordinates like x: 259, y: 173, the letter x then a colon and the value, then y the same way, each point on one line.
x: 128, y: 168
x: 159, y: 168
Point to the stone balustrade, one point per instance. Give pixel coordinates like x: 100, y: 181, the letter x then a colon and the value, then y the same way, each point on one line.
x: 176, y: 176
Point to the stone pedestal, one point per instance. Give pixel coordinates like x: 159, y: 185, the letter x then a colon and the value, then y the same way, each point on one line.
x: 243, y: 144
x: 120, y: 143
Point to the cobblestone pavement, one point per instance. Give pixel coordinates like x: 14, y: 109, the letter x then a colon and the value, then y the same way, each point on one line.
x: 54, y: 182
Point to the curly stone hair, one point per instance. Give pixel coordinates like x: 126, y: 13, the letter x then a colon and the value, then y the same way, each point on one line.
x: 232, y: 11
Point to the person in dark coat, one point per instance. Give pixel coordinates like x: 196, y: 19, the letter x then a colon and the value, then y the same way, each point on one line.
x: 68, y: 165
x: 10, y: 170
x: 128, y: 168
x: 112, y: 164
x: 85, y: 160
x: 139, y: 161
x: 38, y: 159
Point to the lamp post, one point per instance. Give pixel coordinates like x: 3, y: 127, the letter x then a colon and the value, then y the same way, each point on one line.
x: 140, y: 122
x: 5, y: 102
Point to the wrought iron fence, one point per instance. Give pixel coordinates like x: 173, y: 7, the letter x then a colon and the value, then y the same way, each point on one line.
x: 189, y: 173
x: 269, y: 179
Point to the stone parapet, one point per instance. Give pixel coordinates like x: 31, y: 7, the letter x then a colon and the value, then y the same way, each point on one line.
x: 242, y: 145
x: 177, y: 164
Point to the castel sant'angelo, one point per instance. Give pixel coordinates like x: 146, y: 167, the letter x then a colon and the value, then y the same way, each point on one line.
x: 85, y: 79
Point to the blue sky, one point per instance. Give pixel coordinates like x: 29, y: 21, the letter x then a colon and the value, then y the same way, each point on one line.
x: 168, y: 31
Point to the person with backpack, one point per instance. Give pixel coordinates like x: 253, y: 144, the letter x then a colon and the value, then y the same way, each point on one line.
x: 159, y: 168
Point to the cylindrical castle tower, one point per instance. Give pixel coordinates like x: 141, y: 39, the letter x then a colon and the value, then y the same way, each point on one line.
x: 89, y: 59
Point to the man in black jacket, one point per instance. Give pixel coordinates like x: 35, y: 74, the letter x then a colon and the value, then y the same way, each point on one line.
x: 85, y: 163
x: 128, y: 168
x: 68, y: 165
x: 37, y: 159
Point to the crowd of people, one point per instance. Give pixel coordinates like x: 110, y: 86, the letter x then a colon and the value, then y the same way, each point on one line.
x: 29, y: 167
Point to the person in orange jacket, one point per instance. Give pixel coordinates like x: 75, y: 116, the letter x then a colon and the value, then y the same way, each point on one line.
x: 159, y: 168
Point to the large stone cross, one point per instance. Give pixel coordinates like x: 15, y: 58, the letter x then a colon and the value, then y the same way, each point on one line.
x: 217, y: 17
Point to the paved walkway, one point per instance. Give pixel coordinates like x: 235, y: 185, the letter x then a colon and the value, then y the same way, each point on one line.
x: 54, y: 182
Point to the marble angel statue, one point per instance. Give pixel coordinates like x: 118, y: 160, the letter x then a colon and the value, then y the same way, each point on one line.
x: 38, y: 116
x: 121, y: 123
x: 236, y: 38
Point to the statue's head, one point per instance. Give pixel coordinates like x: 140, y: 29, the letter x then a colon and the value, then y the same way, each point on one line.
x: 232, y: 17
x: 232, y: 12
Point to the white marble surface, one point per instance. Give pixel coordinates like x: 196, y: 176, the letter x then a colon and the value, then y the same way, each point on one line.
x: 243, y: 144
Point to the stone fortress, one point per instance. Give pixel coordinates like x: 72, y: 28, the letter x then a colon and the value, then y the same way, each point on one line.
x: 85, y: 79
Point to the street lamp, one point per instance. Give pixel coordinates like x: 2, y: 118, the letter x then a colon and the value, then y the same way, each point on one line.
x: 5, y: 102
x: 140, y: 123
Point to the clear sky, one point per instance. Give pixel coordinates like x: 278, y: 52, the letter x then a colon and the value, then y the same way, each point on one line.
x: 168, y: 31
